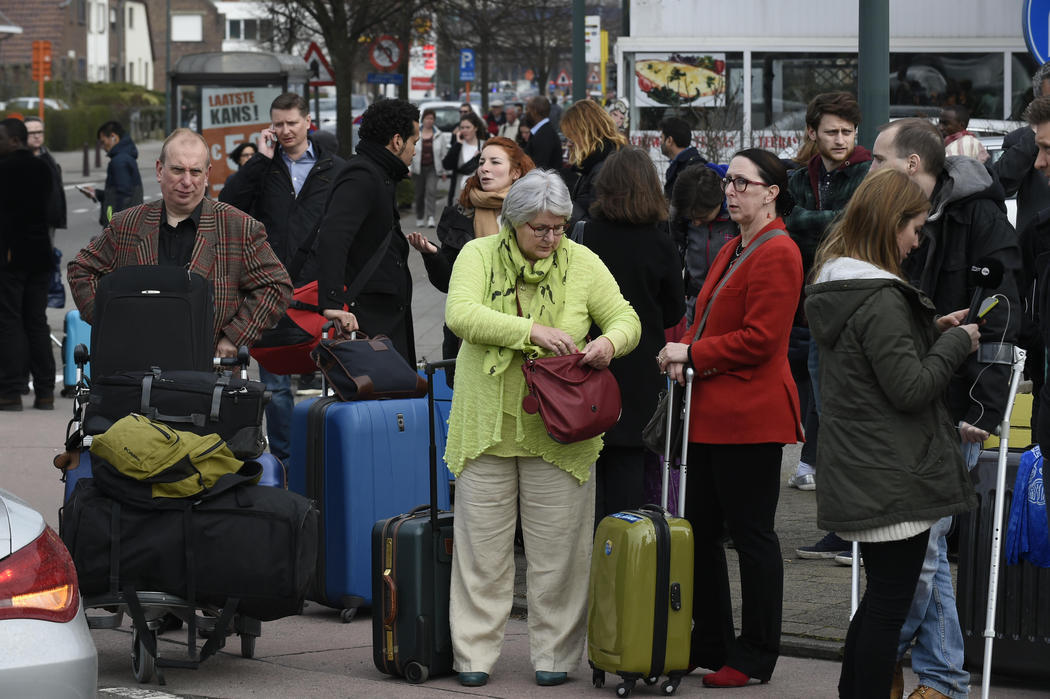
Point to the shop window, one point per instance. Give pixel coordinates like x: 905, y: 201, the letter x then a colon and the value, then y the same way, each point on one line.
x: 922, y: 83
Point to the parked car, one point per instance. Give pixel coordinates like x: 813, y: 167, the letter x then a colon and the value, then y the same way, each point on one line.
x: 326, y: 116
x: 47, y: 648
x: 31, y: 104
x: 447, y: 113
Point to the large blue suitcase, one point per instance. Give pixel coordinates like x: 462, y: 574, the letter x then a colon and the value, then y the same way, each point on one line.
x: 77, y: 332
x: 360, y: 461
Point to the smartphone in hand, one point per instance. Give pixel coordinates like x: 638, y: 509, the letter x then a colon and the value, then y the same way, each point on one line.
x: 87, y: 192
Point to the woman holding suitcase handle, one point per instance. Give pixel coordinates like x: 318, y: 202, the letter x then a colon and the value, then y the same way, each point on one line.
x: 744, y: 408
x: 527, y: 290
x: 891, y: 462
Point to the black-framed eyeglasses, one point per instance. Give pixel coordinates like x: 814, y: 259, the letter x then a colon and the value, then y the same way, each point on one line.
x: 34, y: 133
x: 740, y: 184
x: 542, y: 231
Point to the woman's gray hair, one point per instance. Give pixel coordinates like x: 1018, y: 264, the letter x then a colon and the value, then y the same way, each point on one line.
x: 537, y: 192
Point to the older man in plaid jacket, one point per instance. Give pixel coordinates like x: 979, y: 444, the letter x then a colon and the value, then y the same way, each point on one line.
x: 215, y: 240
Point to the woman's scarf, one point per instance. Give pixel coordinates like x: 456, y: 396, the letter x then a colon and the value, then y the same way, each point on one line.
x: 487, y: 206
x: 511, y: 267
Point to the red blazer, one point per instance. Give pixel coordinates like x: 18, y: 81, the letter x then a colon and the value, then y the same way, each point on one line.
x: 743, y: 391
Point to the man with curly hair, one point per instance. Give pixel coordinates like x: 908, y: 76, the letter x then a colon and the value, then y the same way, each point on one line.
x: 361, y: 240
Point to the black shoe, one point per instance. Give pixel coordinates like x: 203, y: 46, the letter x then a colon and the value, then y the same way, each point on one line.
x: 11, y: 402
x: 44, y: 401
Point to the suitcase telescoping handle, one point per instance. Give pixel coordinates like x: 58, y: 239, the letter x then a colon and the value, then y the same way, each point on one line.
x: 683, y: 470
x: 243, y: 359
x: 429, y: 368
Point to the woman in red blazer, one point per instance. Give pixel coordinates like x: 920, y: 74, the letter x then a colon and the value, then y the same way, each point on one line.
x: 744, y: 409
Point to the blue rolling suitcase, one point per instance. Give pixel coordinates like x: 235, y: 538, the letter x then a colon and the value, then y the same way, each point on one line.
x: 76, y: 332
x: 360, y: 461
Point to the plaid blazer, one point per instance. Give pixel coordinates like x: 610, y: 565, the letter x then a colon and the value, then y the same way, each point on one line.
x: 251, y: 286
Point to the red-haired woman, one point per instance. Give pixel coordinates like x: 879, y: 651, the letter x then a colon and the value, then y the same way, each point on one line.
x: 477, y: 214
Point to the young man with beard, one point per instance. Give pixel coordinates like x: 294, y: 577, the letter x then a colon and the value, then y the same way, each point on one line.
x: 967, y: 224
x: 361, y: 218
x: 821, y: 190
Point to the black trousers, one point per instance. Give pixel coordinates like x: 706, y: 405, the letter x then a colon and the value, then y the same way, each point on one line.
x: 25, y: 332
x: 892, y: 569
x: 620, y: 480
x: 736, y: 486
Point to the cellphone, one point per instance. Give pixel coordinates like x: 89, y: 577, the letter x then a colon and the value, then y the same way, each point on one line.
x: 988, y: 305
x: 86, y: 192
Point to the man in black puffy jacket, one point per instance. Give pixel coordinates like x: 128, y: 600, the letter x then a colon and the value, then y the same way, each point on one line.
x: 285, y: 186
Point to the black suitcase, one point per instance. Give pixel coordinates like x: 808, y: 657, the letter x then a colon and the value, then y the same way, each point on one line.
x: 152, y: 315
x: 411, y: 577
x: 1022, y: 614
x: 202, y: 402
x: 253, y: 543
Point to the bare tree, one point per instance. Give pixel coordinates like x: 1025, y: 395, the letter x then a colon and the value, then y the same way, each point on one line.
x: 480, y: 24
x: 541, y: 36
x: 345, y: 27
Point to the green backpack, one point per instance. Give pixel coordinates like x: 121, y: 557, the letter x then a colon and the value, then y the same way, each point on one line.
x: 139, y: 460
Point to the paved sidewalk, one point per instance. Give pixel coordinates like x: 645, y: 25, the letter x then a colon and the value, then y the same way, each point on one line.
x: 334, y: 659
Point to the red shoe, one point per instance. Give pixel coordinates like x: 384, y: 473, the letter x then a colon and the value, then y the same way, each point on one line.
x: 726, y: 677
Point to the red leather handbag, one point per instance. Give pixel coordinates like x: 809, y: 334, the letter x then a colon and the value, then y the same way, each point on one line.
x: 575, y: 401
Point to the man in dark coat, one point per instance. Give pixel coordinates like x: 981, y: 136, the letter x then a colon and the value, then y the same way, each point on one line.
x: 1016, y: 168
x: 285, y: 186
x: 543, y: 146
x: 361, y: 220
x: 123, y: 182
x: 25, y: 271
x: 676, y: 142
x: 56, y: 211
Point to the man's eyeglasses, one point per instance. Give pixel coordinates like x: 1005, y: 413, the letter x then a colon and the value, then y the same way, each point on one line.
x: 542, y: 231
x: 35, y: 133
x: 739, y: 183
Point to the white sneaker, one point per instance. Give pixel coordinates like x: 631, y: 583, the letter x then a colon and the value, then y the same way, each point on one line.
x: 430, y: 222
x: 419, y: 223
x: 804, y: 482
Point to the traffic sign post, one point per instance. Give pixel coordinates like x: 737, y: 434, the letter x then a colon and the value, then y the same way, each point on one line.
x: 323, y: 74
x: 1035, y: 22
x: 466, y: 65
x: 386, y: 78
x: 41, y: 70
x: 385, y: 53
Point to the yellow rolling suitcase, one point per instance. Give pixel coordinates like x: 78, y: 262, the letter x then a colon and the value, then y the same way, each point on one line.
x: 639, y: 620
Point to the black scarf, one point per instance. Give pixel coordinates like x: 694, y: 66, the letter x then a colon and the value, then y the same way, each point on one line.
x: 387, y: 160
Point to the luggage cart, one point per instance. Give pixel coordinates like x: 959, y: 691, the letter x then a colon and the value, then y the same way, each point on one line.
x: 151, y: 611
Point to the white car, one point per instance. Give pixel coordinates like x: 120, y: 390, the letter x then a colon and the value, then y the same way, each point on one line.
x: 446, y: 114
x: 47, y: 648
x: 326, y: 116
x: 29, y: 104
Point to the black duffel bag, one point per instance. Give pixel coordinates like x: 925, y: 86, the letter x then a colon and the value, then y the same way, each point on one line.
x: 202, y: 402
x: 253, y: 543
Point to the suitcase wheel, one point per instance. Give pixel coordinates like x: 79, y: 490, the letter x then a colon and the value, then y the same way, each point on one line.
x: 624, y: 688
x: 598, y: 679
x: 416, y: 673
x: 670, y: 686
x: 650, y: 681
x: 143, y: 665
x: 247, y: 645
x: 347, y: 615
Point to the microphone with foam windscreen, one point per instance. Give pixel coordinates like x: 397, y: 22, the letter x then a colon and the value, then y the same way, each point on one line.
x: 986, y: 274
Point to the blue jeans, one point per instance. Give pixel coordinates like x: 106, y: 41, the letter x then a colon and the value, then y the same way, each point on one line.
x: 278, y: 413
x: 933, y: 620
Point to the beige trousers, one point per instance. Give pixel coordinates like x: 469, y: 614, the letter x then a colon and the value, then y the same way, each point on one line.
x: 557, y: 520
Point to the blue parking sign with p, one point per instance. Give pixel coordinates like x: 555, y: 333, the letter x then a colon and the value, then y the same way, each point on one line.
x: 466, y: 65
x: 1036, y: 23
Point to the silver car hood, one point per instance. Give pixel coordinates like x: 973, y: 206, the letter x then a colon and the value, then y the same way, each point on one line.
x: 19, y: 523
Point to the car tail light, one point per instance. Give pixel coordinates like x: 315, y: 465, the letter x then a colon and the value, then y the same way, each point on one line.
x: 39, y: 581
x: 358, y: 119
